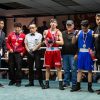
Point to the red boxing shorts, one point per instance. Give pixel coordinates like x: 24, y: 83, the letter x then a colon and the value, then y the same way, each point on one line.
x: 52, y: 57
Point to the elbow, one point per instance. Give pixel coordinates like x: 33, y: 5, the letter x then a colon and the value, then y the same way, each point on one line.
x: 62, y: 43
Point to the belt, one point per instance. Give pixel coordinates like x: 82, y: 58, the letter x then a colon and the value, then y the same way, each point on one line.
x: 83, y: 50
x: 52, y: 48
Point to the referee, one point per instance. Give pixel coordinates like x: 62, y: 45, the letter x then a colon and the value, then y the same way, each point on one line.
x: 32, y: 44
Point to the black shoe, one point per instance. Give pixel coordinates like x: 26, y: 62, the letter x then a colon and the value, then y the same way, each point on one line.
x: 73, y: 88
x: 98, y: 90
x: 18, y: 84
x: 98, y: 93
x: 76, y: 88
x: 90, y: 88
x: 47, y: 84
x: 42, y: 84
x: 61, y: 85
x: 28, y: 85
x: 1, y: 85
x: 11, y: 83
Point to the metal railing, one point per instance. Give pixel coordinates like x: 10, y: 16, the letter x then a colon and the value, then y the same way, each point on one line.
x: 97, y: 70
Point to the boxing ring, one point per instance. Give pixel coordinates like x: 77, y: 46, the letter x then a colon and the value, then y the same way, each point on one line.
x: 96, y: 68
x: 36, y: 93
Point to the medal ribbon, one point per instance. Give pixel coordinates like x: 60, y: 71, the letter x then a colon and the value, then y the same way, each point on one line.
x: 84, y: 38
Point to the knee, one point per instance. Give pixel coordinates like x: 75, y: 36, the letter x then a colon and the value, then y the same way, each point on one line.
x: 58, y: 69
x: 47, y: 69
x: 89, y: 72
x: 79, y: 71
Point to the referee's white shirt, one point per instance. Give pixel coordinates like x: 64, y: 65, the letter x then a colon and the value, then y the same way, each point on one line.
x: 33, y: 40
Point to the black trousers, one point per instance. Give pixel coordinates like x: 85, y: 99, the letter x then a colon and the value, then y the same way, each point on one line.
x: 15, y: 65
x: 31, y: 58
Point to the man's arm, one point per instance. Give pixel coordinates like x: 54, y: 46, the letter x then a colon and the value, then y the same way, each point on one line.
x: 95, y: 35
x: 60, y: 41
x: 4, y: 44
x: 44, y: 34
x: 24, y: 49
x: 74, y: 40
x: 75, y: 37
x: 8, y: 44
x: 26, y: 44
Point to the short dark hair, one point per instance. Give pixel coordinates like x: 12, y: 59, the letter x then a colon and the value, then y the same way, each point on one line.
x: 85, y: 23
x: 53, y: 20
x: 69, y: 22
x: 17, y: 25
x: 44, y: 22
x: 98, y: 15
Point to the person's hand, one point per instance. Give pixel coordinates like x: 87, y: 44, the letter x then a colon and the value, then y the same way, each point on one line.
x: 76, y: 32
x: 6, y: 56
x: 95, y: 35
x: 75, y: 57
x: 21, y: 54
x: 43, y: 42
x: 11, y: 51
x: 31, y: 52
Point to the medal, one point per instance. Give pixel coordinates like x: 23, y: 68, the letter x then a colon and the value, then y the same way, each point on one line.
x: 84, y: 40
x: 84, y: 45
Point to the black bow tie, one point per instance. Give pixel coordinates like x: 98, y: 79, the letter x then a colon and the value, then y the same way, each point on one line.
x: 32, y: 34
